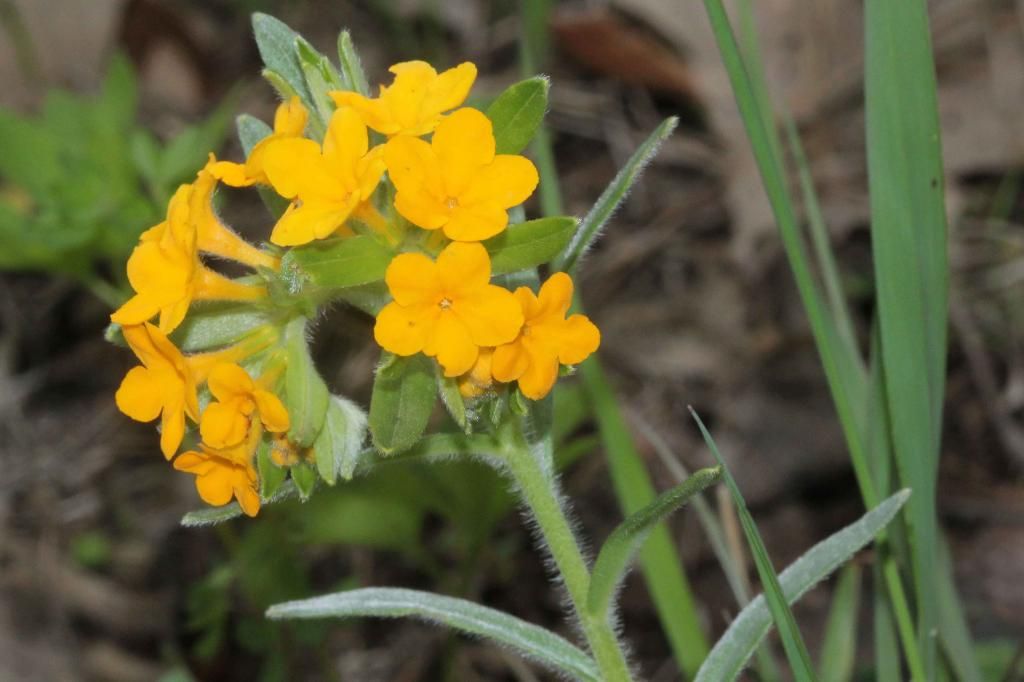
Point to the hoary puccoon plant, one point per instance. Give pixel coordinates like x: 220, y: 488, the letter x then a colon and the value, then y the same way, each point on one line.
x: 407, y: 205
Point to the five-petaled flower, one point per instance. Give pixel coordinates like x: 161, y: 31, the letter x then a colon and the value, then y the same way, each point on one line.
x: 289, y: 122
x: 546, y: 340
x: 456, y: 181
x: 414, y: 104
x: 223, y: 474
x: 447, y: 309
x: 240, y: 401
x: 327, y: 182
x: 164, y: 385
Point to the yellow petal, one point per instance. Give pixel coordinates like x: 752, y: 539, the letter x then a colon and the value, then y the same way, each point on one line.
x: 451, y: 344
x: 223, y: 425
x: 374, y: 112
x: 215, y: 488
x: 579, y: 338
x: 528, y: 302
x: 228, y: 380
x: 248, y: 500
x: 295, y: 167
x: 507, y: 181
x: 464, y: 145
x: 172, y: 315
x: 449, y: 89
x: 412, y: 279
x: 369, y: 170
x: 476, y: 223
x: 135, y: 311
x: 463, y: 269
x: 492, y: 315
x: 555, y: 296
x: 272, y: 411
x: 193, y: 462
x: 404, y: 330
x: 140, y: 395
x: 172, y: 426
x: 413, y: 167
x: 290, y: 118
x: 345, y: 144
x: 312, y: 220
x: 233, y: 174
x: 404, y: 98
x: 540, y: 375
x: 509, y: 362
x: 421, y: 208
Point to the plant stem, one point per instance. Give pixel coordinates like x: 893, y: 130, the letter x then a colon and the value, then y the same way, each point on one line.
x: 539, y: 491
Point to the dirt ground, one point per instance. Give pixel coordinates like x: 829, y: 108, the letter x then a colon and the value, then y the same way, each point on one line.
x: 689, y: 286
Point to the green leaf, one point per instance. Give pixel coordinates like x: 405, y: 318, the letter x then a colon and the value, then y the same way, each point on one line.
x: 119, y: 96
x: 626, y: 540
x: 335, y: 264
x: 31, y: 154
x: 211, y: 516
x: 271, y: 475
x: 590, y: 227
x: 731, y: 652
x: 529, y: 244
x: 339, y: 445
x: 909, y: 245
x: 527, y: 639
x: 448, y: 390
x: 306, y: 395
x: 792, y: 641
x: 320, y: 76
x: 404, y: 393
x: 304, y: 477
x: 517, y: 113
x: 838, y: 653
x: 250, y: 131
x: 352, y: 75
x: 277, y: 46
x: 659, y: 559
x: 216, y: 324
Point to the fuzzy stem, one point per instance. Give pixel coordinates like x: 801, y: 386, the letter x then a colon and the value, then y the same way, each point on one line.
x: 539, y: 492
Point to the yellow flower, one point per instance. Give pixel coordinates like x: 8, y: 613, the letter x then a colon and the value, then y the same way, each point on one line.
x: 289, y: 121
x: 547, y: 339
x: 447, y: 309
x: 167, y: 275
x: 329, y: 183
x: 478, y: 379
x: 221, y: 475
x: 285, y: 453
x: 163, y: 385
x: 456, y: 182
x: 415, y: 102
x: 240, y: 401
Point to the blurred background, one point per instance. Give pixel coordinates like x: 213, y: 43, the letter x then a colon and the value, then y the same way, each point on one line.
x: 106, y: 105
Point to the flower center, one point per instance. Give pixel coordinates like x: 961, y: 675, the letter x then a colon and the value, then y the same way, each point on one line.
x: 445, y: 303
x: 451, y: 203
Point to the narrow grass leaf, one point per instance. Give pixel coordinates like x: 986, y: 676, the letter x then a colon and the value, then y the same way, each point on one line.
x: 735, y: 647
x: 839, y: 651
x: 531, y: 641
x: 659, y: 560
x: 792, y: 641
x: 625, y: 541
x: 590, y: 227
x: 909, y: 245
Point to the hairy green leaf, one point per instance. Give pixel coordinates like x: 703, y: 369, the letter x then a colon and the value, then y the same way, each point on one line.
x: 517, y: 113
x: 306, y: 395
x: 404, y: 393
x: 529, y: 244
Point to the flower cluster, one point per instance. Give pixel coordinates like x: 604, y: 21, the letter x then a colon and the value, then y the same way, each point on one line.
x: 414, y: 171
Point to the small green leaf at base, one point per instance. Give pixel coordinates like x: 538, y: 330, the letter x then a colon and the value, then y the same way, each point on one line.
x: 335, y: 264
x: 529, y: 244
x: 731, y: 652
x: 517, y: 113
x: 625, y: 541
x: 339, y: 446
x: 528, y: 640
x: 306, y: 394
x: 404, y: 393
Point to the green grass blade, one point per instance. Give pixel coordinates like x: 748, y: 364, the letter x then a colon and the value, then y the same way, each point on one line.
x: 625, y: 541
x: 953, y: 633
x: 527, y: 639
x: 887, y: 655
x: 839, y: 651
x: 908, y: 228
x: 590, y: 227
x: 778, y: 605
x: 730, y: 654
x: 659, y: 561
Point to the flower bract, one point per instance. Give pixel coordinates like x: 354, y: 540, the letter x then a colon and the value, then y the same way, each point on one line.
x: 456, y: 182
x: 548, y: 339
x: 447, y: 309
x: 415, y: 102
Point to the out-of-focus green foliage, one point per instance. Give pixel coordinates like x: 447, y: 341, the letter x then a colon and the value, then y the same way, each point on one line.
x: 80, y: 180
